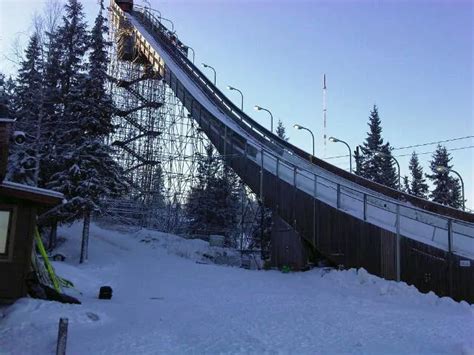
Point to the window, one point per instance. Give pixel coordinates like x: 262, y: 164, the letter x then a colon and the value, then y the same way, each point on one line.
x: 4, y: 231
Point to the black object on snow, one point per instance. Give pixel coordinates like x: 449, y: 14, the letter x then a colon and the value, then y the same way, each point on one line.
x: 38, y: 290
x: 105, y: 293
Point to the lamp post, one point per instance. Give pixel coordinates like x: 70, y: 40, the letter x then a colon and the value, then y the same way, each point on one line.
x: 297, y: 126
x: 443, y: 169
x: 231, y: 88
x: 396, y: 161
x: 208, y: 66
x: 259, y: 108
x: 336, y: 140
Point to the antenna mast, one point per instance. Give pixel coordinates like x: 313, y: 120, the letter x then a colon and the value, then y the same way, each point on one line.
x: 324, y: 113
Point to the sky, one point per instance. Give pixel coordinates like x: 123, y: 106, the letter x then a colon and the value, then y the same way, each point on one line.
x: 413, y: 59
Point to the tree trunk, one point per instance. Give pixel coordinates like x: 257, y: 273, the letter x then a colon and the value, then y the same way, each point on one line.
x: 85, y: 237
x: 53, y: 235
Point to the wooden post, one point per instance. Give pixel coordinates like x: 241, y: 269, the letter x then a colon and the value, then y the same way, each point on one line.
x: 62, y: 337
x: 450, y: 257
x: 315, y: 193
x: 365, y: 207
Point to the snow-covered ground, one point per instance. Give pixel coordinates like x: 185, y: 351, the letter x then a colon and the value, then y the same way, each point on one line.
x: 164, y: 302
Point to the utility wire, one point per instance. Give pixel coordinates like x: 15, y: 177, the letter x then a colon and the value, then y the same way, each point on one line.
x: 409, y: 154
x: 449, y: 150
x: 416, y: 145
x: 431, y: 143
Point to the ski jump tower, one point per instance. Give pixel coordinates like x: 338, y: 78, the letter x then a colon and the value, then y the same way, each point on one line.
x: 159, y: 143
x: 351, y: 221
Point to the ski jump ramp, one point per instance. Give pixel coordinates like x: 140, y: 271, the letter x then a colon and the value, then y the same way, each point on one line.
x: 350, y: 220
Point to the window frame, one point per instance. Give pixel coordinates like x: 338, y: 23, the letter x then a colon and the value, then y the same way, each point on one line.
x: 8, y: 254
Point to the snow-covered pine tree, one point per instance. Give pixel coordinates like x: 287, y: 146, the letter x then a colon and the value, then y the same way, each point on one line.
x: 24, y: 162
x: 446, y: 188
x: 281, y: 131
x: 198, y: 206
x: 64, y: 92
x: 418, y: 186
x: 52, y: 108
x: 5, y: 98
x: 212, y: 204
x: 74, y: 41
x: 158, y: 206
x: 88, y: 173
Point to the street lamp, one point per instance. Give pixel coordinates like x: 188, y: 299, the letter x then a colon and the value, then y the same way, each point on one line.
x: 208, y: 66
x: 241, y: 96
x: 396, y: 161
x: 336, y: 140
x: 258, y: 108
x: 442, y: 169
x: 297, y: 126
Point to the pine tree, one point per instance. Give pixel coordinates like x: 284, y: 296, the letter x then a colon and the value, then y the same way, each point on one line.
x: 24, y: 163
x: 87, y: 173
x: 418, y: 187
x: 388, y: 171
x: 375, y: 161
x: 5, y: 98
x: 446, y: 188
x: 157, y: 205
x: 212, y: 204
x: 66, y: 110
x: 406, y: 185
x: 281, y: 131
x: 52, y: 109
x: 358, y: 159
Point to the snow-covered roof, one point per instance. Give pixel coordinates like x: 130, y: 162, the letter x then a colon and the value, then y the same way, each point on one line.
x: 31, y: 193
x: 6, y: 120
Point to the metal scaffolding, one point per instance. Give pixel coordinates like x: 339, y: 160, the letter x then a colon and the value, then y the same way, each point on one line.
x: 158, y: 143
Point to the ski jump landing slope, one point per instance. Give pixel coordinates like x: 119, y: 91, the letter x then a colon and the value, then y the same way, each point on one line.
x: 352, y: 221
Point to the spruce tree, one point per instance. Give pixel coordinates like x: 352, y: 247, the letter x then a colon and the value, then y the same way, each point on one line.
x: 406, y: 185
x: 52, y: 109
x: 213, y: 202
x: 88, y: 174
x: 5, y: 98
x: 281, y: 131
x: 388, y: 170
x: 418, y: 186
x: 24, y: 163
x: 446, y: 188
x: 66, y: 109
x: 358, y: 159
x: 375, y: 160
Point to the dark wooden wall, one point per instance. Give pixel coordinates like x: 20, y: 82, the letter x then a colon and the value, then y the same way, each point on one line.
x: 13, y: 270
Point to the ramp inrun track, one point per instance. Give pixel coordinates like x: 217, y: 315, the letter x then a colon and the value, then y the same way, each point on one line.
x: 351, y: 221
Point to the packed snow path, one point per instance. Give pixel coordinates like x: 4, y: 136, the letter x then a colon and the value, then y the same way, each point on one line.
x: 166, y: 303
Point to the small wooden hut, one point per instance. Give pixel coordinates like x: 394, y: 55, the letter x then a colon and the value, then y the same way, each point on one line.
x: 18, y: 209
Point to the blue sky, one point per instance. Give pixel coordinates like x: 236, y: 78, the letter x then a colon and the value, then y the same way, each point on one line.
x: 414, y: 59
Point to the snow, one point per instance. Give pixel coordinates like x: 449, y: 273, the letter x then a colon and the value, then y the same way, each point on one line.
x: 314, y: 180
x: 164, y: 302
